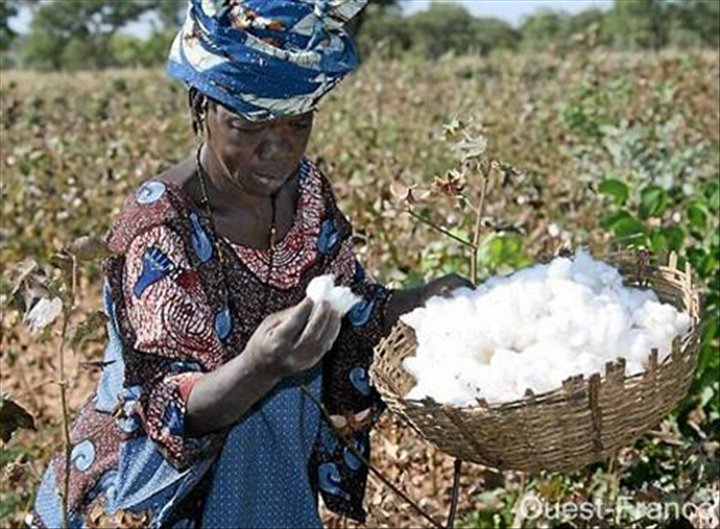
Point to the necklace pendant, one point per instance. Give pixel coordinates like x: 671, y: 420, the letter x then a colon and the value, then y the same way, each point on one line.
x: 273, y: 236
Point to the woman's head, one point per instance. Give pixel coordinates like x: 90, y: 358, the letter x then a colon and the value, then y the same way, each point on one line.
x: 257, y: 156
x: 256, y: 70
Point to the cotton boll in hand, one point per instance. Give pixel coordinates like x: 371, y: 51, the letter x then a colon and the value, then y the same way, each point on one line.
x: 322, y: 288
x: 319, y: 288
x: 342, y: 299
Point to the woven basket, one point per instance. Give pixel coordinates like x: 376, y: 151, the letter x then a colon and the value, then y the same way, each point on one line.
x: 585, y: 420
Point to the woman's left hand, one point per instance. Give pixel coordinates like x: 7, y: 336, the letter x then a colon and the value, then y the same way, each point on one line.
x: 443, y: 286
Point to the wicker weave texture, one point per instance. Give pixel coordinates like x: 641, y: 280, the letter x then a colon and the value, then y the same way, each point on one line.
x: 586, y: 420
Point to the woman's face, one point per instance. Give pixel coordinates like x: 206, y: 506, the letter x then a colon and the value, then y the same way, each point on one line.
x: 259, y: 157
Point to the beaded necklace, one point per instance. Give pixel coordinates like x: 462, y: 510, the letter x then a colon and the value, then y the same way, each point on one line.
x: 272, y: 235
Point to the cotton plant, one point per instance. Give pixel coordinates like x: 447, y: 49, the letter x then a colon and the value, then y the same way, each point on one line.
x: 535, y: 328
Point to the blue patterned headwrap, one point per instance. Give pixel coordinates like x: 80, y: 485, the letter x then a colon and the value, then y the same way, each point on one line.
x: 265, y: 58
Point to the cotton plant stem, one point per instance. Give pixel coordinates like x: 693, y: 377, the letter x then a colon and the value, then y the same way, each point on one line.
x: 614, y: 486
x: 455, y: 490
x: 517, y: 511
x: 476, y: 233
x: 66, y: 435
x: 65, y: 423
x: 439, y: 228
x: 611, y: 481
x: 365, y: 462
x: 63, y: 394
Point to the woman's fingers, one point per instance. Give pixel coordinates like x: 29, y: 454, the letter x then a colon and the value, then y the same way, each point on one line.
x: 294, y: 320
x: 322, y: 329
x: 308, y: 330
x: 332, y: 330
x: 315, y: 325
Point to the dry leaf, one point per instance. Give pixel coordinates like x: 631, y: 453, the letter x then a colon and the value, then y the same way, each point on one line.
x: 12, y: 417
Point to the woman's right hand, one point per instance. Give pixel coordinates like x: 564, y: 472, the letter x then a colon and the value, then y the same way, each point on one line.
x: 295, y: 339
x: 285, y: 343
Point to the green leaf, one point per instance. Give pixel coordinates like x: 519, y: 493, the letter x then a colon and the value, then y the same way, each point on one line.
x: 612, y: 218
x: 710, y: 331
x: 699, y: 258
x: 658, y: 242
x: 12, y: 417
x: 675, y: 236
x: 697, y: 214
x: 653, y: 202
x: 628, y: 228
x: 711, y: 191
x: 413, y: 279
x: 615, y: 189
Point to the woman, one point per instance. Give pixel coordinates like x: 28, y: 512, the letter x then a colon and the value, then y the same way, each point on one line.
x: 206, y: 413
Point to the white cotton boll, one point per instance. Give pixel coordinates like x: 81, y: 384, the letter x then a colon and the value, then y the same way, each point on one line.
x: 534, y: 294
x: 415, y: 319
x: 584, y: 278
x: 661, y: 339
x: 553, y: 358
x: 457, y: 310
x: 435, y: 302
x: 533, y: 378
x: 504, y: 362
x: 531, y: 274
x: 654, y: 314
x: 634, y: 298
x: 43, y: 313
x: 682, y: 323
x: 322, y: 288
x: 464, y: 292
x: 342, y: 299
x: 588, y: 364
x: 414, y: 365
x: 559, y: 268
x: 556, y: 326
x: 638, y: 345
x: 499, y: 390
x: 418, y: 392
x: 634, y: 367
x: 526, y: 335
x: 617, y: 323
x: 446, y: 389
x: 534, y: 329
x: 319, y: 288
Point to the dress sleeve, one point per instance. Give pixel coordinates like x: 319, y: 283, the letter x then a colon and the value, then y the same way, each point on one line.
x: 368, y: 316
x: 175, y: 342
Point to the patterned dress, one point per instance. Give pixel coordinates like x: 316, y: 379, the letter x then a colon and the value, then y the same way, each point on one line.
x: 174, y: 314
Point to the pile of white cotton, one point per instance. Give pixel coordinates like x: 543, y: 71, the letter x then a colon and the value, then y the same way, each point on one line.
x: 534, y: 329
x: 322, y: 288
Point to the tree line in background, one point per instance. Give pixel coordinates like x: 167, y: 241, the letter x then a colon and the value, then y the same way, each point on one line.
x: 82, y: 34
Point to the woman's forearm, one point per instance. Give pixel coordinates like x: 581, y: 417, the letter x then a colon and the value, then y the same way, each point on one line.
x: 401, y: 301
x: 222, y: 396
